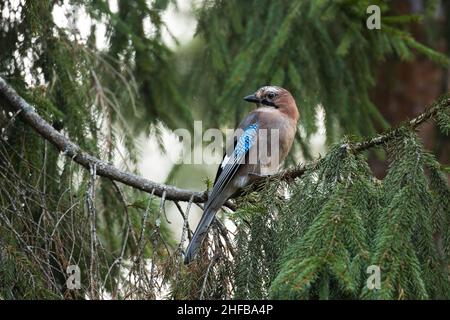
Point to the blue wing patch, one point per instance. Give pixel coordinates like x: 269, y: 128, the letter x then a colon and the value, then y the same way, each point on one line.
x: 246, y: 140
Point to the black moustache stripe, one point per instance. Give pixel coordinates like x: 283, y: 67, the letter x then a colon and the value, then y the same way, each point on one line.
x: 268, y: 103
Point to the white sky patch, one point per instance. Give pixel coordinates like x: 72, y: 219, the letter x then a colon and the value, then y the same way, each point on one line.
x: 16, y: 13
x: 180, y: 23
x: 113, y: 6
x: 59, y: 15
x: 153, y: 164
x: 76, y: 20
x: 318, y: 139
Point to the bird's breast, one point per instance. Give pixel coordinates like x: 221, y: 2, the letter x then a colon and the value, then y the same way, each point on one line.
x: 280, y: 133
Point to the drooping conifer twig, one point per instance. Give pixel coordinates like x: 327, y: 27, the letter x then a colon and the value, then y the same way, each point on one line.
x: 380, y: 139
x: 29, y: 115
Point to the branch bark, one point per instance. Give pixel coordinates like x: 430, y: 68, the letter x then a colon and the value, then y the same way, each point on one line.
x: 28, y: 114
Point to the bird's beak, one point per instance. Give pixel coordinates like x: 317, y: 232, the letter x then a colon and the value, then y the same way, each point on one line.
x: 252, y: 98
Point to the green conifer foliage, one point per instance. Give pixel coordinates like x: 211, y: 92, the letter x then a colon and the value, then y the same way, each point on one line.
x: 96, y: 98
x: 309, y: 237
x: 339, y: 220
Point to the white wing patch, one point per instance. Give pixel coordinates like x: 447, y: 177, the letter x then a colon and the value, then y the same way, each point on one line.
x: 225, y: 161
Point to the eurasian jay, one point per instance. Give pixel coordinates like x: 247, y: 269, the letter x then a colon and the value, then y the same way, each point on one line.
x: 261, y: 142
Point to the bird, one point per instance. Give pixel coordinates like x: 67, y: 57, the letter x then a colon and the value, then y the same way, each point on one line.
x: 261, y: 142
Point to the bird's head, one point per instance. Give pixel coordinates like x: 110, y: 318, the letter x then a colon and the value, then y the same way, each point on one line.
x: 275, y: 97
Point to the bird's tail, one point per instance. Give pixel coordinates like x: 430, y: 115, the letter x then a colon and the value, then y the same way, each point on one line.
x: 200, y: 233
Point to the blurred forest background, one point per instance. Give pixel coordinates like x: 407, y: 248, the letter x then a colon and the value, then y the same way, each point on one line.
x: 117, y: 76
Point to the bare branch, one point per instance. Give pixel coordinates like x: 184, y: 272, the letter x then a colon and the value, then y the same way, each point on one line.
x: 29, y: 115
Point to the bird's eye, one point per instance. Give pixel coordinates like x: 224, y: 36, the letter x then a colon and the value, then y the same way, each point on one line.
x: 271, y: 95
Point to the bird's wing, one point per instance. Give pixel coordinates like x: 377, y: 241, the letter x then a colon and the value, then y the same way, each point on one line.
x: 224, y: 160
x: 252, y: 118
x: 233, y: 160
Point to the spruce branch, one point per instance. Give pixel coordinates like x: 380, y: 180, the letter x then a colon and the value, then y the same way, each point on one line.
x: 28, y: 114
x: 430, y: 112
